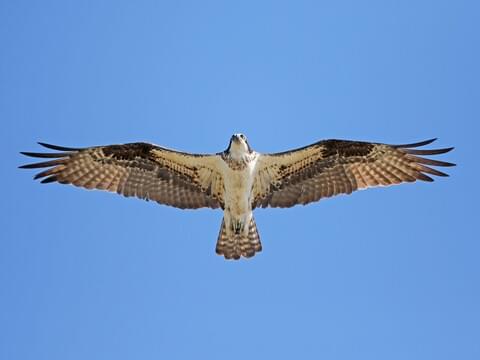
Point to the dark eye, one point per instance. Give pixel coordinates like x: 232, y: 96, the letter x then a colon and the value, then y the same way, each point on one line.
x: 242, y: 136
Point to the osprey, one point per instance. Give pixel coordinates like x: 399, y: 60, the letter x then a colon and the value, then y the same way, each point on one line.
x: 238, y: 180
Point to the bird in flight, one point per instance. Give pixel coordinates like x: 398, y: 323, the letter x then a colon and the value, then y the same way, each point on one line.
x: 239, y: 179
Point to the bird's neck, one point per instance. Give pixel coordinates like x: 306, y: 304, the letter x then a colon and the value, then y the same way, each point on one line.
x: 239, y: 152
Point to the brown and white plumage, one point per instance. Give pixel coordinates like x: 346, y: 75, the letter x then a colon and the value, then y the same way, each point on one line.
x: 332, y: 167
x: 147, y: 171
x: 238, y: 179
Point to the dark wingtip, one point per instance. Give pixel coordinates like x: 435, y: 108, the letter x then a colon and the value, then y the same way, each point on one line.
x: 27, y: 166
x: 49, y: 179
x: 56, y: 147
x: 31, y: 154
x: 43, y: 164
x: 427, y: 152
x: 417, y: 144
x: 46, y: 155
x: 424, y: 177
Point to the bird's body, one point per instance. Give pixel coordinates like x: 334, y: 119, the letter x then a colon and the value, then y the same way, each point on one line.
x: 238, y: 193
x: 238, y: 170
x: 238, y: 180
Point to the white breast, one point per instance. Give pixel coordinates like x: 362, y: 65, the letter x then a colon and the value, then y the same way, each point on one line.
x: 238, y: 188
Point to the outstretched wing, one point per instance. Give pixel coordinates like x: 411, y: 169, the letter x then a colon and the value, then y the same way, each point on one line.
x: 138, y: 169
x: 332, y: 167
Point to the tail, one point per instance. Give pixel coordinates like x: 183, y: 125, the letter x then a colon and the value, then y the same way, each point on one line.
x: 238, y: 245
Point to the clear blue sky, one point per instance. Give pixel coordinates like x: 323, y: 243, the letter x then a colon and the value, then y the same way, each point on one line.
x: 381, y: 274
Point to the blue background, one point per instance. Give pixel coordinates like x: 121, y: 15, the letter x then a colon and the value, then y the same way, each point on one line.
x: 381, y: 274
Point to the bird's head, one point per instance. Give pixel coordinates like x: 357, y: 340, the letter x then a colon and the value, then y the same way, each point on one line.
x: 238, y: 146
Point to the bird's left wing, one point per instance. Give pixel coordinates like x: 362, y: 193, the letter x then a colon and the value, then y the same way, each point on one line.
x: 332, y: 167
x: 147, y: 171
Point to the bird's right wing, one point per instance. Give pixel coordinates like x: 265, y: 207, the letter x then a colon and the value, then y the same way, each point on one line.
x: 147, y: 171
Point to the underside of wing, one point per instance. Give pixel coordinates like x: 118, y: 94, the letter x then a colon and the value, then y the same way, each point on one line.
x: 333, y: 167
x: 143, y: 170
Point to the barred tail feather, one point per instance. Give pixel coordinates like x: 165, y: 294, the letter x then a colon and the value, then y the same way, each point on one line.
x: 238, y: 245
